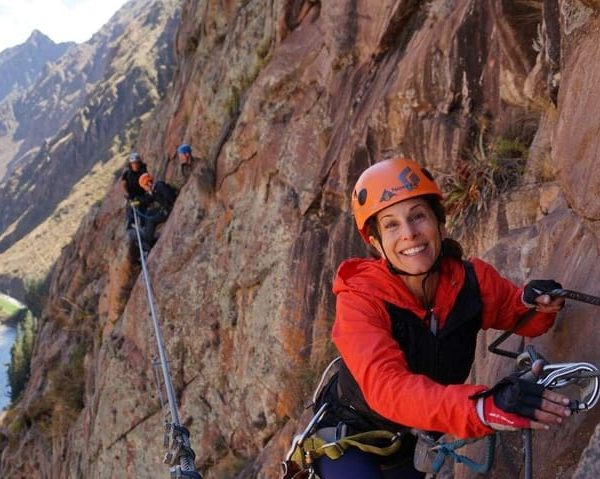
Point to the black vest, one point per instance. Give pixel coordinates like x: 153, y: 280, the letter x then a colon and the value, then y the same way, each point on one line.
x: 446, y: 357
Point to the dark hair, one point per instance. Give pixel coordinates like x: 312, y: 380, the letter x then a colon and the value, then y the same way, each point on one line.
x: 450, y: 247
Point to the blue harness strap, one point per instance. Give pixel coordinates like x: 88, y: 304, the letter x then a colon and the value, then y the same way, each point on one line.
x: 449, y: 449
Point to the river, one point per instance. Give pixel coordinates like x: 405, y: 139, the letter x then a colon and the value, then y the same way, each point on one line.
x: 7, y: 338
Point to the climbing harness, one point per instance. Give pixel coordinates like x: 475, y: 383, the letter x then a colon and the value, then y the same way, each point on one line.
x: 180, y: 457
x: 532, y: 366
x: 315, y: 442
x: 308, y: 446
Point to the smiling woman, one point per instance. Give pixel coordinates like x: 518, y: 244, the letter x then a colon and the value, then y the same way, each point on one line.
x: 406, y: 328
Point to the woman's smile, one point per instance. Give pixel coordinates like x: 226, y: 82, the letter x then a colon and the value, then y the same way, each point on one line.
x: 415, y: 250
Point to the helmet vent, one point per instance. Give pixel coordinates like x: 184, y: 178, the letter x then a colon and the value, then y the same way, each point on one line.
x: 362, y: 197
x: 426, y: 172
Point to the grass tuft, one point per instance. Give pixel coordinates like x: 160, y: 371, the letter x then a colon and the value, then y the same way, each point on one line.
x: 484, y: 173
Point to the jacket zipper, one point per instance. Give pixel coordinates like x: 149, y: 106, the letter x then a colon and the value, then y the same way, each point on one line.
x: 433, y: 327
x: 433, y: 322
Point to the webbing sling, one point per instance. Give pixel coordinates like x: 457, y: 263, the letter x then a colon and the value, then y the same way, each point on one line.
x: 445, y: 449
x: 314, y: 447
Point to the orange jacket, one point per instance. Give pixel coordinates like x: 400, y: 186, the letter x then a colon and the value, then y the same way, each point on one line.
x: 362, y: 334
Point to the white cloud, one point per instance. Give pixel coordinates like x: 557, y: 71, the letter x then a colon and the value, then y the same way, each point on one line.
x: 61, y: 20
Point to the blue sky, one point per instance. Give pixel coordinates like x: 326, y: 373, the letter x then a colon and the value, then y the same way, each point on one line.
x: 61, y: 20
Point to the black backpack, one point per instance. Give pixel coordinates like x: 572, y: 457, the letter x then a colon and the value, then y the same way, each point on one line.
x: 165, y: 194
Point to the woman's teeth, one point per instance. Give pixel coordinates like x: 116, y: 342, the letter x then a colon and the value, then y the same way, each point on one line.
x: 413, y: 251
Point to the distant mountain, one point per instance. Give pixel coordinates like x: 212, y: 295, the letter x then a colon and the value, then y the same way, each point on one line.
x: 79, y: 118
x: 20, y: 66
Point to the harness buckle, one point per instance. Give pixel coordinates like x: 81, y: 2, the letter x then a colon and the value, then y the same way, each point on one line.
x: 333, y: 450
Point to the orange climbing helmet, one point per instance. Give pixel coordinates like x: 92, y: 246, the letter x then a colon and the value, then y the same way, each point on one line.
x: 386, y: 183
x: 146, y: 180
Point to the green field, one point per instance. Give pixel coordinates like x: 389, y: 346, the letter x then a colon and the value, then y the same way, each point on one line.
x: 8, y: 307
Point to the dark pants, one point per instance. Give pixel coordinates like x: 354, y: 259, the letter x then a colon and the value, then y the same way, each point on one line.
x: 356, y: 464
x: 151, y: 220
x: 148, y: 221
x: 129, y: 217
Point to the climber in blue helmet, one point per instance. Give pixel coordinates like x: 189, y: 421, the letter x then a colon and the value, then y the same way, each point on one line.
x: 184, y: 149
x: 186, y: 160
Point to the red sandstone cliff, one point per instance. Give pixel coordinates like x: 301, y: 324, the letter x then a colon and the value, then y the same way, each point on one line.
x: 285, y: 103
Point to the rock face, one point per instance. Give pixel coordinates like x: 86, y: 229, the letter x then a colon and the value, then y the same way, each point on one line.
x: 285, y: 103
x: 74, y: 128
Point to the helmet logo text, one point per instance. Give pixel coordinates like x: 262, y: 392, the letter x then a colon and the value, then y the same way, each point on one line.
x: 409, y: 179
x: 387, y: 195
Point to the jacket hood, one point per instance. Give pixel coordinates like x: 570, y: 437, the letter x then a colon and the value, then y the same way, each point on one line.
x: 372, y: 278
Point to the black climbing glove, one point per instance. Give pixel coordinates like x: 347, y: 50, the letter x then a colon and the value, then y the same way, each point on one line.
x: 538, y: 287
x: 510, y: 404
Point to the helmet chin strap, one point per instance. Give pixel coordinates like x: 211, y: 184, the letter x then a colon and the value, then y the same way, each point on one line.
x: 434, y: 267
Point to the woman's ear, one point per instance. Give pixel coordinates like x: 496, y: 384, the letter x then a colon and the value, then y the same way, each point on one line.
x: 376, y: 244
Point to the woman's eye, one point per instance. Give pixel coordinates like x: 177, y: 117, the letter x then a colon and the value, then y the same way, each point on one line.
x: 390, y: 225
x: 417, y: 217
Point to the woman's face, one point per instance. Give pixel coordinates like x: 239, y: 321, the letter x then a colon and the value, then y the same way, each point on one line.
x: 410, y: 235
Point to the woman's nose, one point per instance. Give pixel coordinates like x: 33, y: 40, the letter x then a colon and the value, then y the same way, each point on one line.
x: 407, y: 231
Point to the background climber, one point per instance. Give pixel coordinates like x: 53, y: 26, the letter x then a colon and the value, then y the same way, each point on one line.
x: 130, y: 183
x: 131, y: 177
x: 185, y: 162
x: 154, y: 207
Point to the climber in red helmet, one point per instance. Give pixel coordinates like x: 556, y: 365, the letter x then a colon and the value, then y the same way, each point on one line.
x: 406, y: 328
x: 154, y: 207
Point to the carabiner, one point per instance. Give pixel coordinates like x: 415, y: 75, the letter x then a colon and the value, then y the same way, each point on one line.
x: 299, y: 438
x: 560, y: 375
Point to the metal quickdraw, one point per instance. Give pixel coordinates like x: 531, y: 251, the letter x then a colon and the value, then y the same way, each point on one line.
x: 563, y: 374
x: 181, y: 457
x: 535, y: 367
x: 584, y: 376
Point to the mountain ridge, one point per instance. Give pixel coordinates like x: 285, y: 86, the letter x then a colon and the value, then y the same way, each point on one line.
x: 20, y: 65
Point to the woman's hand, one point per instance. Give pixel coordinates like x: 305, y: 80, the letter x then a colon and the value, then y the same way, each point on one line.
x: 535, y: 295
x: 514, y: 404
x: 547, y: 304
